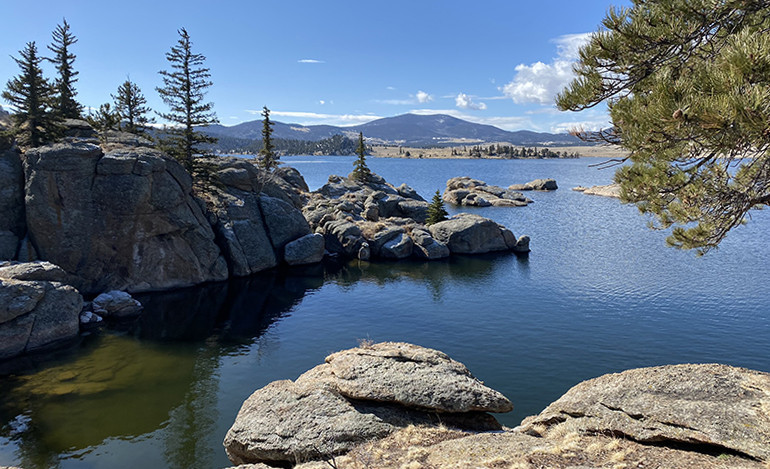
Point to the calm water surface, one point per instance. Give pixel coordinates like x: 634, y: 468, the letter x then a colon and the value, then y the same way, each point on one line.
x: 598, y: 293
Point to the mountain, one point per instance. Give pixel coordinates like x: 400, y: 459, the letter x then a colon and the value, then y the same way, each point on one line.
x: 406, y: 130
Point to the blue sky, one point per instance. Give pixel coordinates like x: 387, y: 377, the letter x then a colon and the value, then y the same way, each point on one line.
x: 332, y: 62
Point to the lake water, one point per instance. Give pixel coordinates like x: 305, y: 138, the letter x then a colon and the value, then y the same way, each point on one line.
x: 599, y: 293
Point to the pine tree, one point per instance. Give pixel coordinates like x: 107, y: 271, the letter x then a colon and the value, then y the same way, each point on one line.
x: 436, y: 210
x: 361, y: 172
x: 184, y: 89
x: 63, y: 58
x: 687, y: 84
x: 105, y: 118
x: 131, y: 106
x: 34, y: 122
x: 269, y: 160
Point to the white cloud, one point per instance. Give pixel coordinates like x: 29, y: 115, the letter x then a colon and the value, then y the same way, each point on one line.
x: 311, y: 118
x: 423, y: 97
x: 321, y: 102
x: 310, y: 61
x: 587, y: 125
x: 503, y: 122
x: 390, y: 88
x: 540, y: 82
x: 463, y: 101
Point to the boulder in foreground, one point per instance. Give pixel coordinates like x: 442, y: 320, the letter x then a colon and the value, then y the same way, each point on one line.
x: 359, y: 395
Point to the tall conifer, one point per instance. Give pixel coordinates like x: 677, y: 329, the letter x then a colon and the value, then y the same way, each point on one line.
x: 184, y: 89
x: 269, y: 159
x: 34, y: 122
x: 64, y: 102
x: 361, y: 172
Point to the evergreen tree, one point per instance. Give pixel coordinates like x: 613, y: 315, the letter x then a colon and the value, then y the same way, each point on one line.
x: 687, y: 84
x: 34, y: 122
x: 269, y: 160
x: 131, y: 106
x: 436, y: 210
x: 184, y: 89
x: 63, y: 58
x: 361, y: 172
x: 105, y: 118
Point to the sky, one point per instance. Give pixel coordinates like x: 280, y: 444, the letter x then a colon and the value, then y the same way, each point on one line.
x: 331, y: 62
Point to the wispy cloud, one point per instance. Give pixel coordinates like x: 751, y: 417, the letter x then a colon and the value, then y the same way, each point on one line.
x: 311, y: 118
x: 503, y: 122
x: 463, y: 101
x: 310, y: 61
x: 540, y: 82
x: 421, y: 97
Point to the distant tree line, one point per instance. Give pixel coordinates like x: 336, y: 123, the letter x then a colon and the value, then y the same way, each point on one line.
x: 335, y: 145
x: 508, y: 151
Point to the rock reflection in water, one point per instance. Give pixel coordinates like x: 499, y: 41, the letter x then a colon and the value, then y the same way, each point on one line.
x: 156, y: 372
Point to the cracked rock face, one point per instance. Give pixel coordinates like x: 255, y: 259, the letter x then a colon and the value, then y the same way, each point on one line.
x: 716, y: 407
x: 123, y: 220
x: 409, y: 375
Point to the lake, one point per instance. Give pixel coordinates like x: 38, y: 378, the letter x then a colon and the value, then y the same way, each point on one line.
x: 599, y: 293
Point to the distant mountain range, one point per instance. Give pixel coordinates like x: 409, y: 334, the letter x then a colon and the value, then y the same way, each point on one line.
x: 406, y: 130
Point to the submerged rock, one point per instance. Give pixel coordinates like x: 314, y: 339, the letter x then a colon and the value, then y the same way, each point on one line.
x: 357, y: 396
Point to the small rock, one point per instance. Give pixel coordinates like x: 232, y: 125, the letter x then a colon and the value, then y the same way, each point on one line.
x: 117, y: 304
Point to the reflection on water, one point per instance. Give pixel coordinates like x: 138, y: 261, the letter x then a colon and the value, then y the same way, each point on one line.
x: 156, y: 372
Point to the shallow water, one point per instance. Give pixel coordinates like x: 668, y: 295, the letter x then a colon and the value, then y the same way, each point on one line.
x: 598, y: 293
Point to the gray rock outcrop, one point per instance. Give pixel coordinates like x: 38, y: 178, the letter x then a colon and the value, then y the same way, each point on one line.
x: 335, y: 406
x: 382, y: 221
x: 474, y: 193
x: 122, y: 220
x: 35, y: 313
x: 710, y: 406
x: 609, y: 190
x: 12, y: 216
x: 255, y: 216
x: 536, y: 185
x: 472, y: 234
x: 683, y: 416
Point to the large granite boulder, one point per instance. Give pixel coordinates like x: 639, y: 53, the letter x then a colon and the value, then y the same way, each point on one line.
x: 357, y: 396
x: 426, y: 247
x: 474, y: 193
x: 123, y: 220
x: 407, y: 375
x: 35, y: 313
x: 472, y: 234
x: 12, y: 216
x: 720, y: 407
x: 116, y: 304
x: 308, y: 249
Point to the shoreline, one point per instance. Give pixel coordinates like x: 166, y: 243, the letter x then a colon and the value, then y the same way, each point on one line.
x: 394, y: 151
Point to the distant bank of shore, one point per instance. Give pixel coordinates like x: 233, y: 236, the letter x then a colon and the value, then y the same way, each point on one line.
x: 462, y: 151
